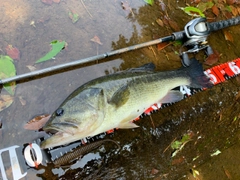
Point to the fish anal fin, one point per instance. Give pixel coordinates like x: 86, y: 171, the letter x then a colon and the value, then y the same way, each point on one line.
x: 172, y: 96
x: 127, y: 125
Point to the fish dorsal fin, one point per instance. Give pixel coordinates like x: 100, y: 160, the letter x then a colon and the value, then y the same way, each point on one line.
x: 145, y: 67
x: 172, y: 96
x: 120, y: 97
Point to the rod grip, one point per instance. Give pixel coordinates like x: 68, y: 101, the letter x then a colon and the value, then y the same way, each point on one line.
x: 215, y: 26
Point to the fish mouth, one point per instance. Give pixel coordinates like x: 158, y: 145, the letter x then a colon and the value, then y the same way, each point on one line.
x: 56, y: 139
x: 66, y: 127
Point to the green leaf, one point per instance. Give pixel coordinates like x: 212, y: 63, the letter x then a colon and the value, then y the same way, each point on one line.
x: 193, y: 11
x: 7, y: 69
x: 57, y: 46
x: 203, y: 6
x: 150, y: 2
x: 73, y: 16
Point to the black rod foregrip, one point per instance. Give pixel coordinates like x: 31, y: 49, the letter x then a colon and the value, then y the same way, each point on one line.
x: 215, y: 26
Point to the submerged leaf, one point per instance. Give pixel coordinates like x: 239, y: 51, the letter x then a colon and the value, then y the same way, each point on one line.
x: 97, y: 40
x: 7, y: 69
x: 149, y: 2
x: 37, y: 123
x: 57, y: 46
x: 193, y: 11
x: 5, y: 101
x: 13, y: 52
x: 73, y: 16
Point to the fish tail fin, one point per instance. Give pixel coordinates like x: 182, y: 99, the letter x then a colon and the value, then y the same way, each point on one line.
x: 196, y: 73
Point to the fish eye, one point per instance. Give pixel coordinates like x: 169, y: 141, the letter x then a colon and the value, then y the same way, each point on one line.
x: 59, y: 112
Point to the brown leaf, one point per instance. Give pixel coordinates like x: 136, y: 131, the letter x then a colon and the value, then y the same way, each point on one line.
x: 212, y: 58
x: 13, y: 52
x: 178, y: 161
x: 234, y: 10
x: 96, y: 40
x: 31, y: 68
x: 215, y: 10
x: 37, y: 123
x: 227, y: 35
x: 173, y: 25
x: 5, y: 101
x: 162, y: 45
x: 230, y: 2
x: 154, y: 171
x: 160, y: 22
x: 238, y: 8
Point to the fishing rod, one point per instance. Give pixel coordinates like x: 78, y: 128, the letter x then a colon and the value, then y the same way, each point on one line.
x: 194, y: 37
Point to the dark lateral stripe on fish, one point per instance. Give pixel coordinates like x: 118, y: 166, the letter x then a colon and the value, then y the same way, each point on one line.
x: 80, y: 151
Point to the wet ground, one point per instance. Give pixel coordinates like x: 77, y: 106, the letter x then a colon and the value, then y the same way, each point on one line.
x: 210, y: 117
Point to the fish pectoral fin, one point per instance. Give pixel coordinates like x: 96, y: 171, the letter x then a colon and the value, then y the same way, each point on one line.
x: 127, y: 125
x: 120, y: 97
x: 172, y: 96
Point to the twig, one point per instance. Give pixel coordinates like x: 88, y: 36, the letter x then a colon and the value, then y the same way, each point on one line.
x: 86, y: 9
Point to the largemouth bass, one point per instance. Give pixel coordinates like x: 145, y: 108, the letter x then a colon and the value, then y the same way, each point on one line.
x: 113, y: 101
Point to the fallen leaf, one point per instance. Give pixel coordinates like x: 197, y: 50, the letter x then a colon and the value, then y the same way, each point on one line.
x: 160, y: 22
x: 162, y: 45
x: 212, y: 58
x: 57, y: 46
x: 154, y: 171
x: 31, y: 68
x: 48, y: 2
x: 215, y: 10
x: 5, y: 101
x: 227, y: 35
x: 203, y: 6
x: 230, y: 2
x: 173, y: 25
x: 37, y: 123
x: 22, y: 100
x: 193, y: 11
x: 73, y: 16
x: 178, y: 161
x: 234, y: 11
x: 96, y: 40
x: 56, y: 1
x: 13, y: 52
x: 7, y: 69
x: 150, y: 2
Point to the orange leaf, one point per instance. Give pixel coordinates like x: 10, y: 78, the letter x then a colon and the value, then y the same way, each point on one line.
x: 212, y: 58
x: 227, y: 35
x: 215, y: 10
x: 162, y: 45
x: 160, y: 22
x: 37, y: 123
x: 234, y: 10
x: 96, y: 40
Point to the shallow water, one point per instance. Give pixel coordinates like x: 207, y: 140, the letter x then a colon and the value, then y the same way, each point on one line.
x: 211, y: 117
